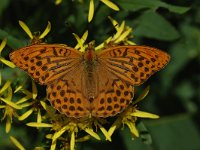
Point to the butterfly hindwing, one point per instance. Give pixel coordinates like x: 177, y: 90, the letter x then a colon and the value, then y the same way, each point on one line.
x: 67, y: 96
x: 113, y: 95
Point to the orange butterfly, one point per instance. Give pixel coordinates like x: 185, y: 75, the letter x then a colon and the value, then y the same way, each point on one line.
x: 96, y: 83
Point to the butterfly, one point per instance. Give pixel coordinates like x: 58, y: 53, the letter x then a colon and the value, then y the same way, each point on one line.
x: 93, y: 83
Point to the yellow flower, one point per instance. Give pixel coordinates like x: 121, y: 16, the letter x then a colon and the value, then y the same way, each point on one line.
x: 122, y: 35
x: 129, y: 116
x: 80, y: 45
x: 9, y: 108
x: 106, y: 2
x: 34, y: 104
x: 3, y: 60
x: 37, y: 37
x: 66, y: 129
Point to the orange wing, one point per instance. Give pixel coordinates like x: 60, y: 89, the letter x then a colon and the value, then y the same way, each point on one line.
x: 66, y: 94
x: 60, y: 68
x: 133, y: 64
x: 46, y: 62
x: 114, y: 95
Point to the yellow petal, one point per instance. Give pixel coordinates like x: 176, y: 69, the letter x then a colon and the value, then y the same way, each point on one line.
x: 9, y: 97
x: 44, y: 105
x: 8, y: 63
x: 123, y: 35
x: 102, y: 45
x: 27, y: 93
x: 130, y: 43
x: 46, y: 31
x: 53, y: 145
x: 36, y: 124
x: 26, y: 29
x: 83, y: 139
x: 5, y: 86
x: 34, y: 90
x: 2, y: 106
x: 72, y: 141
x: 80, y: 43
x: 106, y: 134
x: 59, y: 133
x: 50, y: 110
x: 143, y: 114
x: 84, y: 37
x: 111, y: 4
x: 3, y: 44
x: 114, y: 22
x: 49, y: 136
x: 112, y: 129
x: 91, y: 11
x: 57, y: 2
x: 17, y: 143
x: 114, y: 126
x: 8, y: 124
x: 103, y: 130
x: 39, y: 117
x: 26, y: 104
x: 26, y: 114
x: 11, y: 103
x: 92, y: 133
x: 20, y: 87
x: 119, y: 30
x: 133, y: 129
x: 23, y: 99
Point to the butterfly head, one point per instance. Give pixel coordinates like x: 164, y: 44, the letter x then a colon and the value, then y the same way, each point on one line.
x: 90, y: 53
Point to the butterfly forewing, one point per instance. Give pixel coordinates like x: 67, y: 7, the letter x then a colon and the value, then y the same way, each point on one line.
x: 133, y: 64
x: 46, y: 63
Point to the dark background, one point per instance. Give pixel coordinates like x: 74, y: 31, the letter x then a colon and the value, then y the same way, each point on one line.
x: 173, y: 26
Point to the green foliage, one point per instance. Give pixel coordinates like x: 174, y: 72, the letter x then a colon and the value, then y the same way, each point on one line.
x: 175, y: 92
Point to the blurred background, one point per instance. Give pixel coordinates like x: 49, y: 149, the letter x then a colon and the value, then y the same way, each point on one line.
x: 173, y: 26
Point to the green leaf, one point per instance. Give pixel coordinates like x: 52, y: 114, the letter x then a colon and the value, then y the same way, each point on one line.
x: 144, y: 133
x: 134, y: 5
x: 11, y: 41
x: 153, y: 25
x: 178, y: 132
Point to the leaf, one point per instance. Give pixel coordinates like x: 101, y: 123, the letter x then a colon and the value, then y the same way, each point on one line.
x: 144, y: 133
x: 178, y: 132
x: 11, y: 41
x: 135, y: 5
x: 153, y: 25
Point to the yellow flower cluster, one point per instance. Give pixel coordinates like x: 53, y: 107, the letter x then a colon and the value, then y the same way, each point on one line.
x: 61, y: 128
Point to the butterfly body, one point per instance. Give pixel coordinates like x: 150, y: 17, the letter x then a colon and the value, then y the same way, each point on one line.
x: 90, y: 64
x: 99, y: 84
